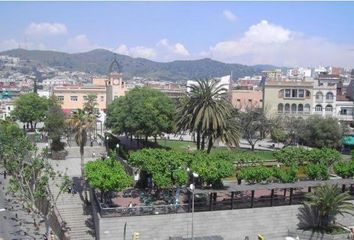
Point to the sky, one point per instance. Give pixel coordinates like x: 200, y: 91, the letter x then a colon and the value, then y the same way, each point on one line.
x: 289, y: 34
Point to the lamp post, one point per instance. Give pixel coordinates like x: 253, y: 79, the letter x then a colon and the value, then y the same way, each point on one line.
x: 117, y: 149
x: 107, y: 139
x: 192, y: 187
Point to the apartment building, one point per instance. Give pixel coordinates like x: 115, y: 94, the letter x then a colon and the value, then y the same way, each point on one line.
x: 106, y: 89
x: 244, y: 99
x: 322, y: 96
x: 288, y: 97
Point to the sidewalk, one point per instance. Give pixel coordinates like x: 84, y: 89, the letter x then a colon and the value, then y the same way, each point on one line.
x: 15, y: 222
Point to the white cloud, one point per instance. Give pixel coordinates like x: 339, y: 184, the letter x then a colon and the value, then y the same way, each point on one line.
x: 8, y: 44
x: 229, y: 15
x: 123, y: 49
x: 163, y: 51
x: 168, y: 48
x: 13, y: 44
x: 143, y: 52
x: 45, y: 28
x: 267, y: 43
x: 80, y: 43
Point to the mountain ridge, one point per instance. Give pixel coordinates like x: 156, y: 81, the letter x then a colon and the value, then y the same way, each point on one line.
x: 98, y: 61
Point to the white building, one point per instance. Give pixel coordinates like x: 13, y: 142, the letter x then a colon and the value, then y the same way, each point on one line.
x: 225, y: 81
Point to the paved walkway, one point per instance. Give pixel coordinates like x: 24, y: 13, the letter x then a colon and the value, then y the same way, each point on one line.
x: 15, y: 222
x: 71, y: 207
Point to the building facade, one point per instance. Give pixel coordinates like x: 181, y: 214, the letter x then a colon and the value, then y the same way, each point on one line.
x: 106, y: 90
x: 288, y: 98
x: 247, y: 99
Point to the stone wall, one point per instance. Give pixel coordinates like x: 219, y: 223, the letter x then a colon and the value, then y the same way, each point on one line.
x: 272, y: 222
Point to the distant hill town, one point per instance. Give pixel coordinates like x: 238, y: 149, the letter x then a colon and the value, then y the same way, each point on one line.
x: 96, y: 62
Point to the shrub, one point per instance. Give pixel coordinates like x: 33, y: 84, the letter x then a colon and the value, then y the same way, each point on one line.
x: 285, y: 174
x: 344, y: 169
x: 255, y: 174
x: 317, y: 171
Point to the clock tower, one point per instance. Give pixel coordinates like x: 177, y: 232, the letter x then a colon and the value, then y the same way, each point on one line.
x: 115, y: 87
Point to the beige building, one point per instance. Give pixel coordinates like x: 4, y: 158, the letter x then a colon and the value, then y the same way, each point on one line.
x: 293, y: 98
x: 243, y: 99
x: 73, y: 97
x: 106, y: 90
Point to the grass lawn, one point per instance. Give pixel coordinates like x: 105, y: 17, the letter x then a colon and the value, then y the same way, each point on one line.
x: 177, y: 145
x: 185, y: 145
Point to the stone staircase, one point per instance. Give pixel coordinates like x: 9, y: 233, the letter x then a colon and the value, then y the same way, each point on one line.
x: 73, y: 211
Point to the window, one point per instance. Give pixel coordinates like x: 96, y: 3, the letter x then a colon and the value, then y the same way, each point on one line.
x: 329, y: 96
x: 85, y: 98
x: 293, y: 108
x: 250, y: 100
x: 300, y: 108
x: 319, y: 96
x: 294, y: 93
x: 287, y: 93
x: 287, y: 107
x: 301, y: 93
x: 73, y: 98
x: 308, y: 94
x: 329, y: 108
x: 307, y: 108
x: 280, y: 108
x: 318, y: 108
x: 343, y: 112
x: 60, y: 98
x: 102, y: 98
x: 281, y: 93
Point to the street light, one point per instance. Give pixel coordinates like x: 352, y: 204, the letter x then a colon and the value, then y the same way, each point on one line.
x: 107, y: 138
x: 192, y: 187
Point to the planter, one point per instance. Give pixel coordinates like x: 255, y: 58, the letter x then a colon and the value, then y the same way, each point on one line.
x: 310, y: 235
x: 59, y: 155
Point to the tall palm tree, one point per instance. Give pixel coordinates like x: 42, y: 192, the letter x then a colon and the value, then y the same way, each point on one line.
x: 328, y: 201
x: 81, y: 122
x: 206, y: 113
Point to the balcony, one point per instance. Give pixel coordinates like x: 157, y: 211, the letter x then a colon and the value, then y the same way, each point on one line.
x: 329, y: 100
x: 344, y: 117
x: 319, y: 100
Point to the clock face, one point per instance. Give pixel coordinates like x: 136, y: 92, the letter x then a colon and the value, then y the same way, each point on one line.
x: 116, y: 82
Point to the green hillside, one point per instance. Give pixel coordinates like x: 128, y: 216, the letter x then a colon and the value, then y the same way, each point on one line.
x: 98, y: 61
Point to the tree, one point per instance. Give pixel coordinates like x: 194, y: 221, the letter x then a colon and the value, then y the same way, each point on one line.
x: 30, y: 108
x: 55, y: 123
x: 91, y: 112
x: 107, y: 175
x: 167, y: 168
x: 207, y: 114
x: 211, y: 168
x: 81, y: 123
x: 322, y: 132
x: 254, y: 125
x: 294, y: 128
x: 14, y: 144
x: 30, y: 173
x: 326, y: 202
x: 141, y: 112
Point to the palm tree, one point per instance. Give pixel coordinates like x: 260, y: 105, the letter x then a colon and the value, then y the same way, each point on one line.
x: 326, y: 202
x: 81, y: 122
x: 207, y: 114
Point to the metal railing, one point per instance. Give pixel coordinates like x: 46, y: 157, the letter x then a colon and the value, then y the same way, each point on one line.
x: 141, y: 210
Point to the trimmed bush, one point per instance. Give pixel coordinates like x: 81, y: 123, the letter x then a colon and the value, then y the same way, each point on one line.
x: 285, y: 174
x: 344, y: 169
x: 317, y: 171
x: 255, y: 174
